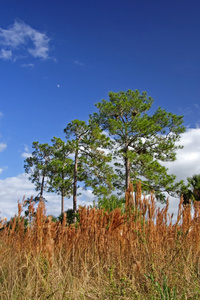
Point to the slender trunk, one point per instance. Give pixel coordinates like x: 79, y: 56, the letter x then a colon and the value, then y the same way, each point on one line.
x: 62, y: 195
x: 62, y: 203
x: 75, y: 184
x: 127, y: 169
x: 42, y: 188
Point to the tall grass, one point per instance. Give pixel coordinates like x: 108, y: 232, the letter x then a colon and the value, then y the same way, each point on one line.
x: 140, y: 254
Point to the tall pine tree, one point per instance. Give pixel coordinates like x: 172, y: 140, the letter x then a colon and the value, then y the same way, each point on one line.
x: 61, y: 170
x: 141, y: 140
x: 91, y: 166
x: 37, y: 167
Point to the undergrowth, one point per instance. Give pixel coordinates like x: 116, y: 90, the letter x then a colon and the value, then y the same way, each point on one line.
x: 137, y: 254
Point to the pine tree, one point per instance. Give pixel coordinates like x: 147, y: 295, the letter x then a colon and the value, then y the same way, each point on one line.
x: 61, y: 170
x: 141, y: 140
x: 86, y: 142
x: 37, y: 167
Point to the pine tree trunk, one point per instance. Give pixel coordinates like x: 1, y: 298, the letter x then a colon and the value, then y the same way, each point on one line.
x: 42, y: 188
x: 75, y: 184
x: 62, y: 203
x: 127, y: 169
x: 62, y: 194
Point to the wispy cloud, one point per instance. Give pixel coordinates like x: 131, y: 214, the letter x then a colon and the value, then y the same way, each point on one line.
x: 77, y: 62
x: 196, y: 105
x: 26, y: 155
x: 2, y: 169
x: 189, y: 110
x: 1, y: 114
x: 26, y: 152
x: 6, y: 54
x: 20, y: 37
x: 2, y: 147
x: 28, y: 65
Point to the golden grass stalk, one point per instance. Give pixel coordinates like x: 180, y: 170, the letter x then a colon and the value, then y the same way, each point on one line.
x: 105, y: 256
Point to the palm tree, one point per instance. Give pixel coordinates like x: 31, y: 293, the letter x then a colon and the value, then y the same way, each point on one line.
x: 191, y: 192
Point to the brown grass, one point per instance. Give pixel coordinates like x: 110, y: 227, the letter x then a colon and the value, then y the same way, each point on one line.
x: 140, y: 254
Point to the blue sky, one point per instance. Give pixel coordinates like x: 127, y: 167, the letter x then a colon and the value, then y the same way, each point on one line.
x: 58, y: 58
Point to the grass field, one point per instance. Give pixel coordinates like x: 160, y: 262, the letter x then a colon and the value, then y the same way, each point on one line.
x: 141, y: 254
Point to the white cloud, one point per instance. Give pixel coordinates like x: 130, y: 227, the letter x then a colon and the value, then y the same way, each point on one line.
x: 187, y: 162
x: 2, y: 147
x: 26, y: 148
x: 5, y: 54
x: 18, y: 37
x: 26, y: 153
x: 1, y: 114
x: 2, y: 169
x: 13, y: 189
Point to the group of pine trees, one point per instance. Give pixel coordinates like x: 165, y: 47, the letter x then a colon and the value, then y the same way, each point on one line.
x: 120, y: 143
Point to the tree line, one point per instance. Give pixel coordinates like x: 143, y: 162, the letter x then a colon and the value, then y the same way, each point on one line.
x: 123, y: 142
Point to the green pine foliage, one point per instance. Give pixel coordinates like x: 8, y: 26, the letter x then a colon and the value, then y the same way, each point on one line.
x: 125, y: 141
x: 37, y: 166
x: 141, y: 140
